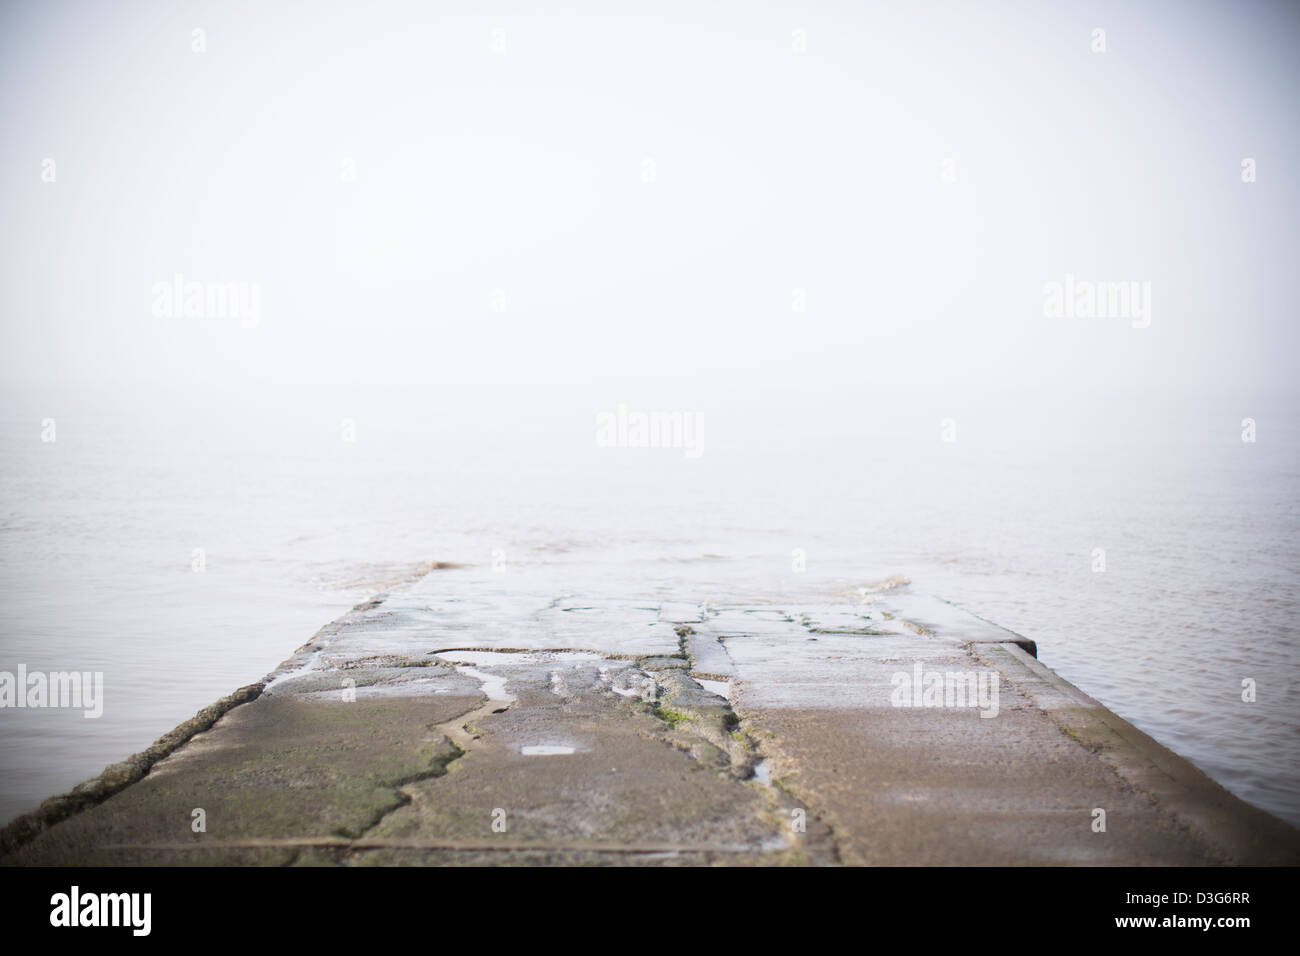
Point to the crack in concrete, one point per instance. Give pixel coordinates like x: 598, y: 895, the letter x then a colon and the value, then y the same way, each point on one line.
x: 780, y: 798
x: 718, y: 727
x: 439, y: 766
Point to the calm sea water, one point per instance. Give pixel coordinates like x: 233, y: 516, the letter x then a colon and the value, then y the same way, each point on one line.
x: 1200, y: 532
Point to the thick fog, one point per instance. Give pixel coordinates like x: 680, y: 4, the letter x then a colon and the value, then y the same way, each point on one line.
x: 223, y: 196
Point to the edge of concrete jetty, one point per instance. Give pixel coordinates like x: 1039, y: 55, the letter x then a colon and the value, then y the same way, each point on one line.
x: 1245, y: 834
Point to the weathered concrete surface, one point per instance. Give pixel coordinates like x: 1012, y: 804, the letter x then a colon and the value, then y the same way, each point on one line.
x: 302, y: 775
x: 471, y: 720
x: 280, y: 767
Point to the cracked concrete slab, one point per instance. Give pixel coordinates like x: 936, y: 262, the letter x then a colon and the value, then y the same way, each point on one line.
x: 471, y: 719
x: 621, y: 775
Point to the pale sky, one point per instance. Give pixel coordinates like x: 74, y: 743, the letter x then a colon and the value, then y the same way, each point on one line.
x: 510, y: 169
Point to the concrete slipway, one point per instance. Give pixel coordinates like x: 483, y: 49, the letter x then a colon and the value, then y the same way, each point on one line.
x: 465, y: 719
